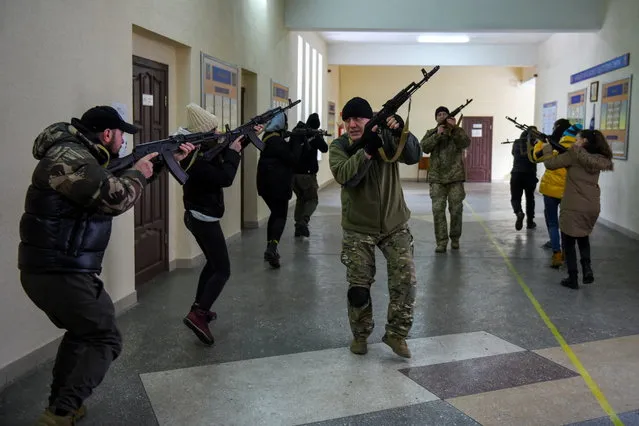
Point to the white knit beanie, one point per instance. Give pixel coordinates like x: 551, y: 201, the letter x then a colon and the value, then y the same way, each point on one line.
x: 199, y: 119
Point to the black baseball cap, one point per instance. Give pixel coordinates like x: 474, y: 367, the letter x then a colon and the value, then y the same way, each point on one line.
x: 104, y: 117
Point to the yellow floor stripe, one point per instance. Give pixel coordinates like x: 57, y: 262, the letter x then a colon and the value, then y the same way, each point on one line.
x: 594, y: 388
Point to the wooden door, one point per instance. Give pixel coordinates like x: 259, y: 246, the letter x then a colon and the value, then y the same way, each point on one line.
x: 150, y: 112
x: 479, y: 155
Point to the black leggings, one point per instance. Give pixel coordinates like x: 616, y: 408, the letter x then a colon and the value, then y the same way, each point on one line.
x: 217, y: 270
x: 277, y: 219
x: 568, y: 244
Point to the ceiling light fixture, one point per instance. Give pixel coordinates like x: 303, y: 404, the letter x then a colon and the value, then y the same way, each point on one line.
x: 452, y: 38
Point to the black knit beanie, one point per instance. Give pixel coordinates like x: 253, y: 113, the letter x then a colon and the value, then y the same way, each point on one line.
x: 313, y: 121
x: 357, y: 108
x: 440, y: 109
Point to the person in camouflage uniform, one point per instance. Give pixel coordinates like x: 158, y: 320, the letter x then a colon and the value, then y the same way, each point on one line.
x: 64, y: 233
x: 446, y: 175
x: 374, y: 214
x: 305, y: 174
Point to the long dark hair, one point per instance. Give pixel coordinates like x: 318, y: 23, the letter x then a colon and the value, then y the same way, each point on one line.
x: 596, y: 143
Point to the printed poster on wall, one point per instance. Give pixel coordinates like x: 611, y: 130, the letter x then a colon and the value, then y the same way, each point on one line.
x: 549, y: 115
x: 279, y: 95
x: 576, y: 113
x: 614, y: 120
x: 219, y: 91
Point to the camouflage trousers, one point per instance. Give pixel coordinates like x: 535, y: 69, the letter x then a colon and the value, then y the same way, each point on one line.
x: 454, y: 194
x: 358, y: 255
x: 305, y: 188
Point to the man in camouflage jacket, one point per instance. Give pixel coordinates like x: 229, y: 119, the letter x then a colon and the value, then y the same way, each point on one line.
x: 64, y: 233
x: 374, y: 213
x: 446, y: 175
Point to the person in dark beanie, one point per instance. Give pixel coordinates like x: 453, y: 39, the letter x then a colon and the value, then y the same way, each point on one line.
x: 446, y: 144
x: 64, y: 233
x: 203, y: 198
x: 275, y: 182
x: 374, y: 214
x: 523, y: 179
x: 305, y: 178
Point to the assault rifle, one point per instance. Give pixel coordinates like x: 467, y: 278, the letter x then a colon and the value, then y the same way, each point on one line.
x: 390, y: 108
x: 166, y: 148
x: 451, y: 115
x: 307, y: 133
x: 533, y: 132
x: 247, y: 131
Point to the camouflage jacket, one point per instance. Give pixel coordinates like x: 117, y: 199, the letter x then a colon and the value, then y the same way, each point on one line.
x: 70, y: 203
x: 446, y: 155
x: 372, y: 196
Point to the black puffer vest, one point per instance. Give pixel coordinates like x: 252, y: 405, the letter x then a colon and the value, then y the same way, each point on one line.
x: 56, y: 236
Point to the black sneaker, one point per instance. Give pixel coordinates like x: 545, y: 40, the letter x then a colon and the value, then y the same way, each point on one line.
x: 519, y: 223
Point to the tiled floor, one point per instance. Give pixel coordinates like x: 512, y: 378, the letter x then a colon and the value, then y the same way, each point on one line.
x: 481, y: 353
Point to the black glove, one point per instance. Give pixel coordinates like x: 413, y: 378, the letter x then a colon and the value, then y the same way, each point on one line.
x: 372, y: 142
x: 400, y: 121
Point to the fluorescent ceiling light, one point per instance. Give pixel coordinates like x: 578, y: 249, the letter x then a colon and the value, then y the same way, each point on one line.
x: 452, y: 38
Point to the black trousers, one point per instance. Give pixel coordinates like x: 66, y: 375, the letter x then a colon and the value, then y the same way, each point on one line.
x: 568, y: 244
x: 277, y: 218
x: 217, y: 270
x: 78, y: 304
x: 521, y: 183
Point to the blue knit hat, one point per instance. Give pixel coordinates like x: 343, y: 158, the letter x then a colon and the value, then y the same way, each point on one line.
x: 573, y: 130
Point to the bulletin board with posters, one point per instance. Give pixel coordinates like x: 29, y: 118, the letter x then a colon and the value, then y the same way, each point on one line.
x: 576, y: 113
x: 219, y: 90
x: 615, y: 115
x: 279, y: 95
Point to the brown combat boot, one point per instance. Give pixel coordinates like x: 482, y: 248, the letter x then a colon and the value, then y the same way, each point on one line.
x: 80, y: 413
x: 48, y: 418
x: 454, y: 244
x: 397, y: 344
x: 359, y: 346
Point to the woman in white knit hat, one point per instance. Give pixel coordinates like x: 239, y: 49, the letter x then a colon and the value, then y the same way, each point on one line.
x: 204, y: 207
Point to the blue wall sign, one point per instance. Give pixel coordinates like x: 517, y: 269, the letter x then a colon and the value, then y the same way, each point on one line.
x: 606, y: 67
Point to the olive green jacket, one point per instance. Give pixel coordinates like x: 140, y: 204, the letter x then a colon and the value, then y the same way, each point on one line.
x: 372, y: 196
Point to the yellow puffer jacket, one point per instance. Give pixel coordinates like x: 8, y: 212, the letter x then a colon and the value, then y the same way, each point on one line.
x: 553, y: 181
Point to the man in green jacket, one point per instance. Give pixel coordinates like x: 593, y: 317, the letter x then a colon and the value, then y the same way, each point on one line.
x: 446, y: 175
x: 374, y: 213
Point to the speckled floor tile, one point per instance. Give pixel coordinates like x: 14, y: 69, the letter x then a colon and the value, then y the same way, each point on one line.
x: 477, y: 375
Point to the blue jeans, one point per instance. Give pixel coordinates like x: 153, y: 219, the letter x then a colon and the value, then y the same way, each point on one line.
x: 551, y: 213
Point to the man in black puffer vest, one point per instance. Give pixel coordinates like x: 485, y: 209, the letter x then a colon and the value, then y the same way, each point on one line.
x: 305, y: 178
x: 64, y: 233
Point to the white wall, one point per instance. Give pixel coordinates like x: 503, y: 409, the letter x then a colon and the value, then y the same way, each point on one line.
x: 496, y: 92
x: 563, y: 55
x: 60, y: 57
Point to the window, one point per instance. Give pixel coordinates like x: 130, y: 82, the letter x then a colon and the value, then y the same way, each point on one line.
x: 310, y: 84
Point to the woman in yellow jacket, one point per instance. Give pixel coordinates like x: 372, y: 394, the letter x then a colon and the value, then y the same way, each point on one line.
x: 552, y: 186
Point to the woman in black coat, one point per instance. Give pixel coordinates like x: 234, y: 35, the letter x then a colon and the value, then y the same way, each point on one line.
x: 275, y: 182
x: 204, y: 207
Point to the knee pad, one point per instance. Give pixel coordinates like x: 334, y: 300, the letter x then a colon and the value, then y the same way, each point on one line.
x: 358, y: 297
